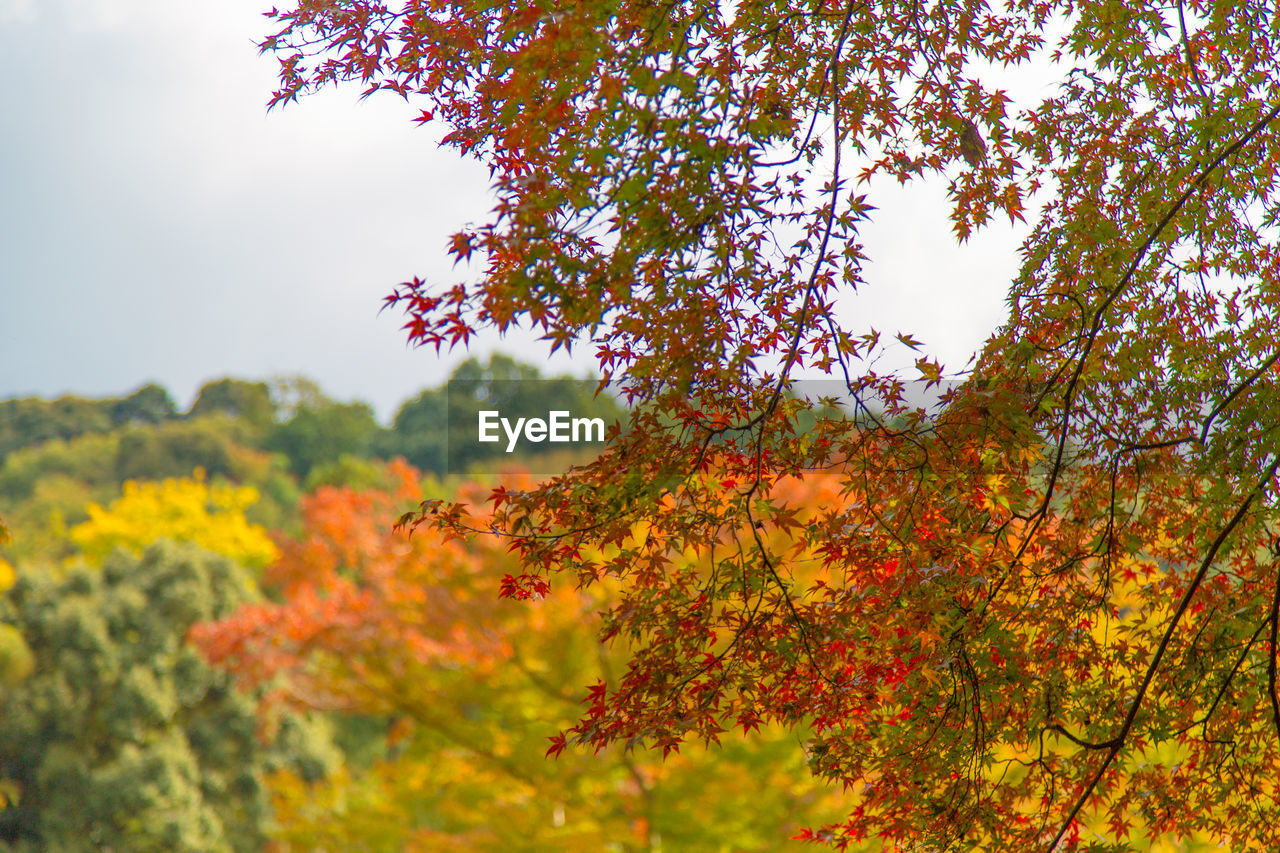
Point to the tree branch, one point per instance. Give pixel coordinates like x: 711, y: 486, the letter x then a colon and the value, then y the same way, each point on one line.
x: 1117, y: 743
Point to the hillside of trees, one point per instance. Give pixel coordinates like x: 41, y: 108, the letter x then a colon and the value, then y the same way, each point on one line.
x: 213, y: 638
x: 283, y: 438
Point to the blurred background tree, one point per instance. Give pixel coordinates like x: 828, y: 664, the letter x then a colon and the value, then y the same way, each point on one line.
x: 187, y: 509
x: 120, y: 737
x: 247, y: 401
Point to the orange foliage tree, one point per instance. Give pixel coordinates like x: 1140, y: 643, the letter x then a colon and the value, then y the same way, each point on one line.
x: 411, y: 631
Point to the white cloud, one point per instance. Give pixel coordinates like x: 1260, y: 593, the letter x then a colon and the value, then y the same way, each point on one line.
x: 17, y: 11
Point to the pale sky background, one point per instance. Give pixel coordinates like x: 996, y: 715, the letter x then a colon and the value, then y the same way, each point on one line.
x: 157, y: 224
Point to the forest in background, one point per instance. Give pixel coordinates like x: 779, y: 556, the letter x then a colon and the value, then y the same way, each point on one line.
x: 283, y: 438
x: 212, y: 638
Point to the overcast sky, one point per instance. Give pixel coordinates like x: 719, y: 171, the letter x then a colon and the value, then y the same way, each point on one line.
x: 157, y: 224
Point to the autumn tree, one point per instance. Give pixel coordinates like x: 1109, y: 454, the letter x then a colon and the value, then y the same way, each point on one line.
x: 1046, y: 614
x: 456, y: 692
x: 187, y: 509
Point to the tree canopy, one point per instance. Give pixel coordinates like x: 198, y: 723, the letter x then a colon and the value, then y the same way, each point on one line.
x: 184, y: 510
x: 116, y: 735
x: 1041, y: 616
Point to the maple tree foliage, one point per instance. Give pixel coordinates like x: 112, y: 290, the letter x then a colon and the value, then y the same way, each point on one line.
x: 1044, y: 616
x: 381, y: 626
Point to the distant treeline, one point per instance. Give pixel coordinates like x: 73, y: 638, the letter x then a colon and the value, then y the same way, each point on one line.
x: 283, y: 438
x: 292, y: 417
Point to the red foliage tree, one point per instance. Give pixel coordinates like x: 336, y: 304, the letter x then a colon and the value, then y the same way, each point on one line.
x: 1046, y: 608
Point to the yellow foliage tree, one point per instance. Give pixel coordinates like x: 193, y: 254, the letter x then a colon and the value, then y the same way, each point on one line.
x: 186, y: 509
